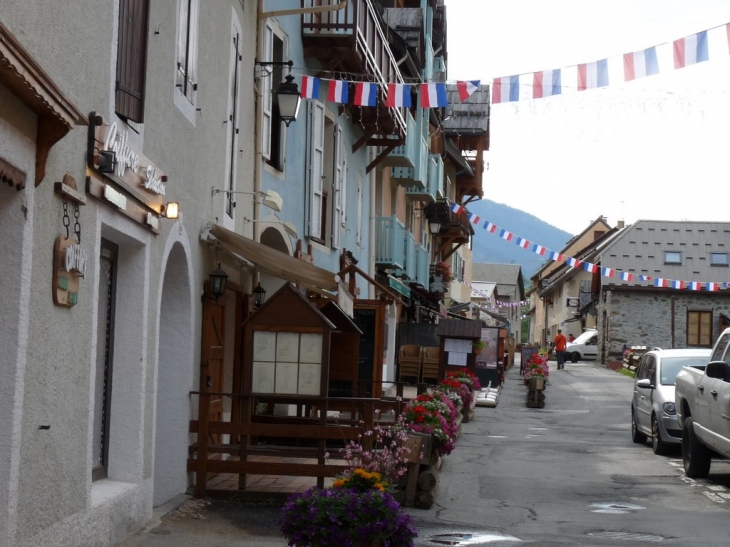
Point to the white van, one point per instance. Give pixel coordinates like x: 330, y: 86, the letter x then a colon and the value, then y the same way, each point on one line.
x: 583, y: 347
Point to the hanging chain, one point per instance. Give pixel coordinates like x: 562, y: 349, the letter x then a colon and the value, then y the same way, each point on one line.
x: 77, y: 226
x: 66, y: 218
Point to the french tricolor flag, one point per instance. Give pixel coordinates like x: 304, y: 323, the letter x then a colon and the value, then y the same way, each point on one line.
x: 572, y: 262
x: 366, y: 94
x: 310, y: 87
x: 660, y: 282
x: 694, y: 286
x: 456, y: 208
x: 640, y: 64
x: 539, y: 249
x: 645, y: 278
x: 337, y: 91
x: 504, y: 234
x: 556, y: 256
x: 434, y: 95
x: 607, y: 272
x: 474, y: 219
x: 489, y: 227
x: 506, y: 89
x: 587, y: 266
x: 691, y: 50
x: 545, y: 83
x: 522, y: 243
x: 711, y: 286
x: 676, y: 284
x: 593, y: 75
x: 398, y: 95
x: 466, y: 89
x: 626, y: 276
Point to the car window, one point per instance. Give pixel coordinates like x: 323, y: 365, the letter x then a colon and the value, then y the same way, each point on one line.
x: 584, y: 337
x: 717, y: 355
x: 672, y: 365
x: 593, y: 341
x: 645, y: 368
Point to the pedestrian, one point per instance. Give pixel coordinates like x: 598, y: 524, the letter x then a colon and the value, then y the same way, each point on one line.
x: 560, y: 342
x: 571, y: 338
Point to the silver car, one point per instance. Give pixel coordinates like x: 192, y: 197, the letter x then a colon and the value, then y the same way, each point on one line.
x: 653, y: 413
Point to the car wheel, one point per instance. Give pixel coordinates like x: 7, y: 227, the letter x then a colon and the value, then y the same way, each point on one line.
x: 574, y: 357
x: 695, y: 455
x: 637, y: 436
x: 658, y: 445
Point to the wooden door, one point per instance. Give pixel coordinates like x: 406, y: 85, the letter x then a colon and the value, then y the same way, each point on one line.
x: 211, y: 357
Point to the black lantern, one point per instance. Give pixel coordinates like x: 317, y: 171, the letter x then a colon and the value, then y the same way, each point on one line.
x: 218, y: 279
x: 289, y: 100
x: 259, y: 296
x: 434, y: 226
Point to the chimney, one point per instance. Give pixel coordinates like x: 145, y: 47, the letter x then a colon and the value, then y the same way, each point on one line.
x: 620, y: 224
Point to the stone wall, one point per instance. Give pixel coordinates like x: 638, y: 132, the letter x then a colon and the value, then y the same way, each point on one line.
x: 645, y: 318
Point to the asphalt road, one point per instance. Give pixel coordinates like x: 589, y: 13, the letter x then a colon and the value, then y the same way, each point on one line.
x: 567, y: 474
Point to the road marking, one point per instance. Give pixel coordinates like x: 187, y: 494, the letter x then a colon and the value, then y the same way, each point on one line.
x: 626, y: 536
x: 714, y: 492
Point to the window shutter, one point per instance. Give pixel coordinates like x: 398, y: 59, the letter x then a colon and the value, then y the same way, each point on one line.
x: 266, y: 97
x: 316, y: 164
x: 131, y: 59
x: 359, y: 210
x: 338, y: 217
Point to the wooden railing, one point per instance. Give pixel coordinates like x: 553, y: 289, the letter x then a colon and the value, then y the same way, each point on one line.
x: 310, y: 423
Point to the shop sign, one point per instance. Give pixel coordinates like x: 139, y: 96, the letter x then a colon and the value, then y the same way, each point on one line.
x: 69, y: 265
x: 573, y: 302
x: 131, y: 167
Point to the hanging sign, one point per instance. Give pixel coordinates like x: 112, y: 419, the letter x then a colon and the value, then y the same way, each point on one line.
x: 69, y: 265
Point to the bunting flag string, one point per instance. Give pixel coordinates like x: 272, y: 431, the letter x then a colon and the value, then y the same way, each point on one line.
x: 432, y: 95
x: 653, y: 60
x: 500, y: 304
x: 584, y: 265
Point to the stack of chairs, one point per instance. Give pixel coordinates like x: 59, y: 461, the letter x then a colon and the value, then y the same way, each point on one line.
x: 430, y: 364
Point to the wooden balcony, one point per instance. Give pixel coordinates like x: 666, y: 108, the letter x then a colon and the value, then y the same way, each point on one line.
x: 353, y: 40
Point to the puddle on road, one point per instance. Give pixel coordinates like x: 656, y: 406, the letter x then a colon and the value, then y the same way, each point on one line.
x: 470, y: 539
x: 615, y: 508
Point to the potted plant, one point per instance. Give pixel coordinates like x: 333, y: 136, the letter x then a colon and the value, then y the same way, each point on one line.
x: 355, y: 512
x: 478, y: 346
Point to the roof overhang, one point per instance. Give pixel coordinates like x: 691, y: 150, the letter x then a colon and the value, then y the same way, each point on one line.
x: 275, y: 262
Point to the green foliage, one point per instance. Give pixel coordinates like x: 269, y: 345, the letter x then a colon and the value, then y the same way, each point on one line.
x: 626, y: 372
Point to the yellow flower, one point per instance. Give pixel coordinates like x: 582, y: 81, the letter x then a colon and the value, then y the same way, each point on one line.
x: 338, y: 483
x: 380, y: 487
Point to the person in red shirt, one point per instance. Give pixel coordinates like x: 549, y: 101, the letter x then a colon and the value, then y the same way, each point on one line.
x: 560, y: 343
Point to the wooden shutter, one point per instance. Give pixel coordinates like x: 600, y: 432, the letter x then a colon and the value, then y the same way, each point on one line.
x: 187, y: 48
x: 266, y: 97
x: 316, y: 165
x: 338, y: 217
x: 359, y: 210
x: 132, y: 59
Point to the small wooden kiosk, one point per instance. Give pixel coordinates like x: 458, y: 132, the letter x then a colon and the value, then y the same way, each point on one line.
x: 457, y: 339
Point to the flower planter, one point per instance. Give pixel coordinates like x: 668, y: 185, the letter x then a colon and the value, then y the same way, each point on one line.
x: 536, y: 384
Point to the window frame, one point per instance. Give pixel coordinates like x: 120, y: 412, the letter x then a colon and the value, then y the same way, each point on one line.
x: 667, y: 257
x: 232, y: 122
x: 186, y: 61
x: 696, y: 341
x: 273, y: 132
x: 724, y: 264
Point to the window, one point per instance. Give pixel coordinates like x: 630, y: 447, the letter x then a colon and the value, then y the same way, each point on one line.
x: 232, y: 119
x: 718, y: 259
x: 187, y: 49
x: 699, y: 328
x: 327, y: 172
x: 131, y: 60
x: 273, y: 131
x: 672, y: 257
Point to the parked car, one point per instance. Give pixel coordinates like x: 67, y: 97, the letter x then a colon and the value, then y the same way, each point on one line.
x: 703, y: 410
x: 583, y: 347
x: 653, y: 412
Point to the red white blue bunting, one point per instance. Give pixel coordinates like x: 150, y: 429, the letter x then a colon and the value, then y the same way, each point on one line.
x: 684, y: 52
x: 587, y: 266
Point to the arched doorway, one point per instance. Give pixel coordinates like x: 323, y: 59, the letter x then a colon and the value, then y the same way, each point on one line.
x: 174, y: 379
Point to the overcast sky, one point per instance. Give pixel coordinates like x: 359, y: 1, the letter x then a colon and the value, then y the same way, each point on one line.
x: 654, y: 148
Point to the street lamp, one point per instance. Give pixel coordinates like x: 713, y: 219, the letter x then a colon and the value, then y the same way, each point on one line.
x: 259, y: 296
x: 288, y: 94
x: 434, y: 226
x: 218, y: 279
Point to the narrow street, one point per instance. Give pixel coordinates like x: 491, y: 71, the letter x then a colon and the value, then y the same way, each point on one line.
x: 569, y: 474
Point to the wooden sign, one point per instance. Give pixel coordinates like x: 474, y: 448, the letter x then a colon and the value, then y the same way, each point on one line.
x: 69, y: 265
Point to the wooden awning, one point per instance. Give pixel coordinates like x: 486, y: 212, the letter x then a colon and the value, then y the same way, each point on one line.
x: 22, y: 74
x: 275, y: 262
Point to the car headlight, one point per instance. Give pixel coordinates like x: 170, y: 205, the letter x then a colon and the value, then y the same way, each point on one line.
x: 670, y: 408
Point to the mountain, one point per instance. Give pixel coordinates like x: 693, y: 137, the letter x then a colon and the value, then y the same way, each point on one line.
x: 491, y: 248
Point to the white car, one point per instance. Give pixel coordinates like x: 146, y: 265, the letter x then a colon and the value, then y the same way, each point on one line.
x: 583, y: 347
